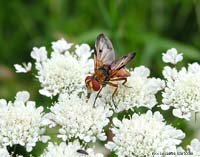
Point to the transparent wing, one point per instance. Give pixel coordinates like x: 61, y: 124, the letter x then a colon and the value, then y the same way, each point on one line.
x: 120, y: 63
x: 104, y: 52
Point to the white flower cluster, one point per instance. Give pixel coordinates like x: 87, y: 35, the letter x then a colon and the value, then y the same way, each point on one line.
x: 21, y: 122
x: 79, y: 119
x: 141, y: 135
x: 140, y: 90
x: 182, y: 90
x: 64, y: 71
x: 69, y: 150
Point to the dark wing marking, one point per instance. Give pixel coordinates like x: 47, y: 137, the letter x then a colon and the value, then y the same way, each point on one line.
x: 104, y: 52
x: 120, y: 63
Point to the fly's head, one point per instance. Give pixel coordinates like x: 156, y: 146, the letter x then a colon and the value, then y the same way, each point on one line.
x: 92, y: 85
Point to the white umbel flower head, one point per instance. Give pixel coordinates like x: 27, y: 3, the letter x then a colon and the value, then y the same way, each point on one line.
x: 62, y: 72
x: 79, y: 119
x: 21, y: 122
x: 70, y: 150
x: 182, y: 90
x: 141, y: 135
x: 24, y: 68
x: 172, y: 56
x: 139, y: 91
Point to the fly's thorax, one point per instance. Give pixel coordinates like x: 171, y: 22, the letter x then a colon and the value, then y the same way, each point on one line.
x: 99, y: 76
x: 102, y: 74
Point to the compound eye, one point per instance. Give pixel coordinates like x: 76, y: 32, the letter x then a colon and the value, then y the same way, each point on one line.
x: 88, y: 78
x: 95, y: 85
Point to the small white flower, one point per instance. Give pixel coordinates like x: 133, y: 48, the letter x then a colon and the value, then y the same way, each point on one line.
x: 182, y: 90
x: 61, y: 45
x: 24, y: 68
x: 70, y: 150
x: 79, y: 119
x: 141, y: 71
x: 179, y: 113
x: 171, y: 56
x: 170, y: 73
x: 21, y: 122
x: 83, y: 51
x: 22, y: 96
x: 4, y: 152
x: 194, y: 146
x: 3, y: 103
x: 39, y: 54
x: 46, y: 92
x: 164, y: 107
x: 140, y: 90
x: 141, y: 135
x: 194, y: 67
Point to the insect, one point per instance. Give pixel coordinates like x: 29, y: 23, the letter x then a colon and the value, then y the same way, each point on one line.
x: 107, y: 69
x: 82, y: 151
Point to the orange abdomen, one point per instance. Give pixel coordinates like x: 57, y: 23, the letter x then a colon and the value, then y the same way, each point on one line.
x: 119, y: 73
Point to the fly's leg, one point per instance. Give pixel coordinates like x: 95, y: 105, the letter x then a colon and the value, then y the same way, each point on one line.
x: 97, y: 96
x: 124, y: 79
x: 115, y: 91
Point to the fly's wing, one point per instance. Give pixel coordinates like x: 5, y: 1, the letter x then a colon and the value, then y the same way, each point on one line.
x: 104, y: 53
x: 120, y: 63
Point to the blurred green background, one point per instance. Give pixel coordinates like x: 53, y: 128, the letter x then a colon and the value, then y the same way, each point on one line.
x: 148, y: 27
